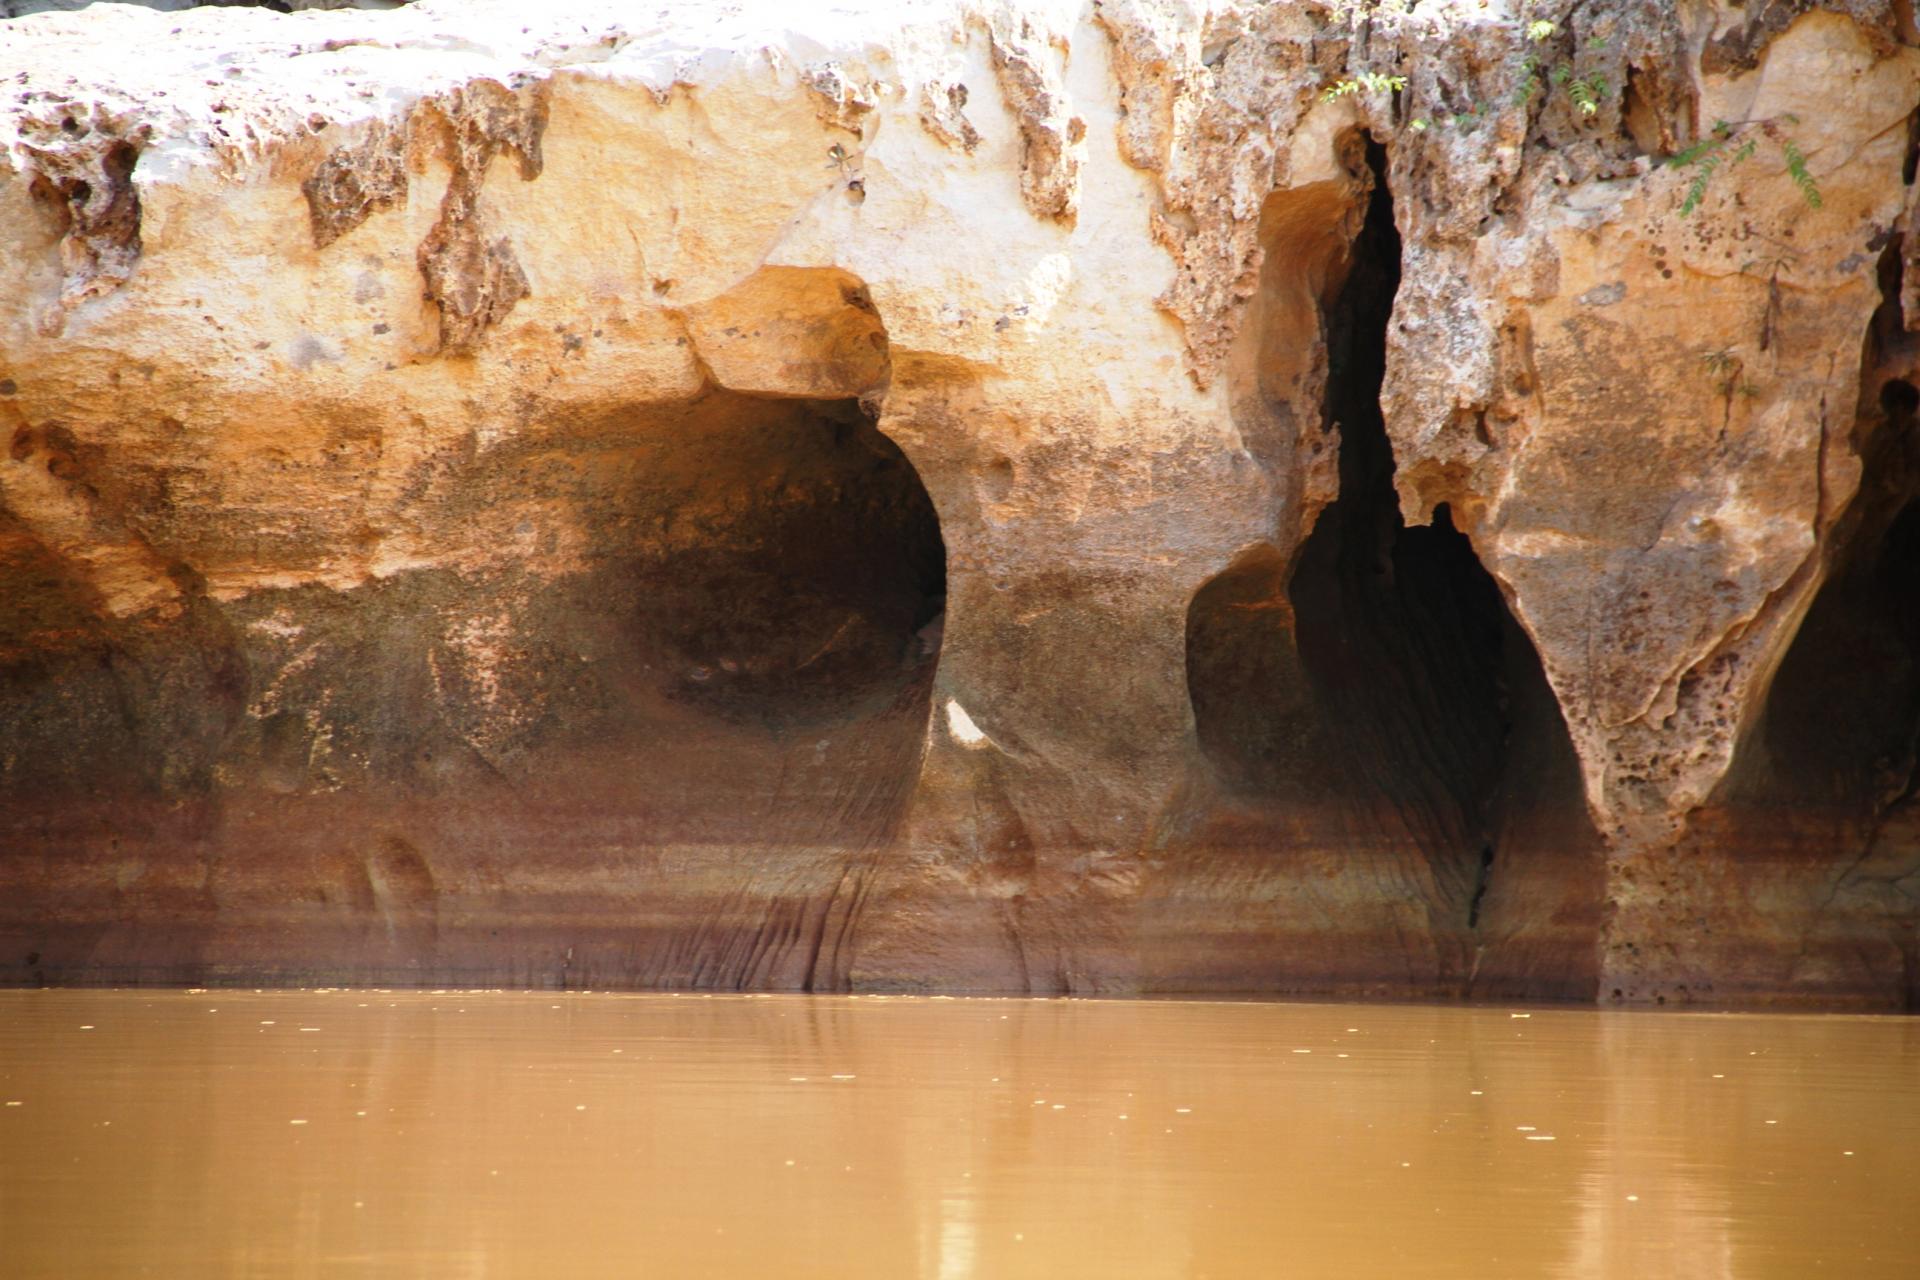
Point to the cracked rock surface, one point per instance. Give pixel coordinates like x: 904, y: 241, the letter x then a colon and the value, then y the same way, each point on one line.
x: 1054, y: 496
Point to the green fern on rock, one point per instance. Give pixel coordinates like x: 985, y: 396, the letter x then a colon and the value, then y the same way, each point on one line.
x: 1719, y: 152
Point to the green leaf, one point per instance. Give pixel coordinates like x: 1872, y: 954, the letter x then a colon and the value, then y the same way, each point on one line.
x: 1371, y: 81
x: 1691, y: 155
x: 1587, y: 93
x: 1797, y: 170
x: 1697, y: 189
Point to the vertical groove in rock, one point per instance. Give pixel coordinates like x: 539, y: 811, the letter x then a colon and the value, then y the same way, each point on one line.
x: 1375, y: 688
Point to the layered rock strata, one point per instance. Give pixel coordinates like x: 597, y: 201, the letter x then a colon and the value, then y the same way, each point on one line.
x: 1069, y: 496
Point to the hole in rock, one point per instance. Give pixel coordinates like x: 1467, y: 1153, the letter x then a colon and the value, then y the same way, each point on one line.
x: 1899, y: 399
x: 1848, y: 692
x: 1384, y: 685
x: 684, y: 580
x: 798, y: 574
x: 701, y: 626
x: 1639, y: 115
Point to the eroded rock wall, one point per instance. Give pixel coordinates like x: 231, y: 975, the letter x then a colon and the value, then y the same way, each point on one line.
x: 1135, y: 495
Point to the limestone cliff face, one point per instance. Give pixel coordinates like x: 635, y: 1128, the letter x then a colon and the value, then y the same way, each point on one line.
x: 1071, y: 495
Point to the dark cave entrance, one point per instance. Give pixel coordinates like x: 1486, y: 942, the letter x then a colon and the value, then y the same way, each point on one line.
x: 1831, y: 777
x: 1385, y: 680
x: 747, y: 565
x: 1843, y: 716
x: 1842, y: 719
x: 787, y: 567
x: 1402, y: 634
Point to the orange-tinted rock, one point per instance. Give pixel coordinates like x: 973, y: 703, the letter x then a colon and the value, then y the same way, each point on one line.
x: 1041, y: 497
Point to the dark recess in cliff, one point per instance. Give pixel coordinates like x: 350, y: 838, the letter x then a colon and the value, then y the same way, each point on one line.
x: 824, y: 567
x: 1387, y: 680
x: 1401, y: 632
x: 386, y: 780
x: 1835, y: 764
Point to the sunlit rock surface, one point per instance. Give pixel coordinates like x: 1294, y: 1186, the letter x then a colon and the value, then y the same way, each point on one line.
x: 1058, y: 496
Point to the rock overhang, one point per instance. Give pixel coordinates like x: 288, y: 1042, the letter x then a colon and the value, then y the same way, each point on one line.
x: 1046, y: 249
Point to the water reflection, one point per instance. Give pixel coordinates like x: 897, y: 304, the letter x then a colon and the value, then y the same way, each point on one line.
x: 241, y: 1133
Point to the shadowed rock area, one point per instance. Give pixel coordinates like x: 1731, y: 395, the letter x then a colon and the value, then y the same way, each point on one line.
x: 1378, y: 712
x: 736, y: 675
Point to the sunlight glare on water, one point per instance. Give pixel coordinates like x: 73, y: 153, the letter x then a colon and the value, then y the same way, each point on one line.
x: 239, y: 1133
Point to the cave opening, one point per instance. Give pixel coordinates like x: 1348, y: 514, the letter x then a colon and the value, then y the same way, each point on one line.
x: 1837, y: 749
x: 740, y: 595
x: 797, y: 575
x: 686, y: 647
x: 1383, y: 678
x: 1848, y: 691
x: 1403, y: 636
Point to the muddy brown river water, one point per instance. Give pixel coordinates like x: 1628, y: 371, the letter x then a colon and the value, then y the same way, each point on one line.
x: 358, y: 1133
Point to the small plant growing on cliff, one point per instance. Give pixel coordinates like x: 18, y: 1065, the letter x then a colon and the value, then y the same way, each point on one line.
x: 1538, y: 67
x: 1724, y: 367
x: 1783, y: 257
x: 1725, y: 148
x: 1728, y: 373
x: 1797, y: 170
x: 1364, y: 82
x: 1585, y: 91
